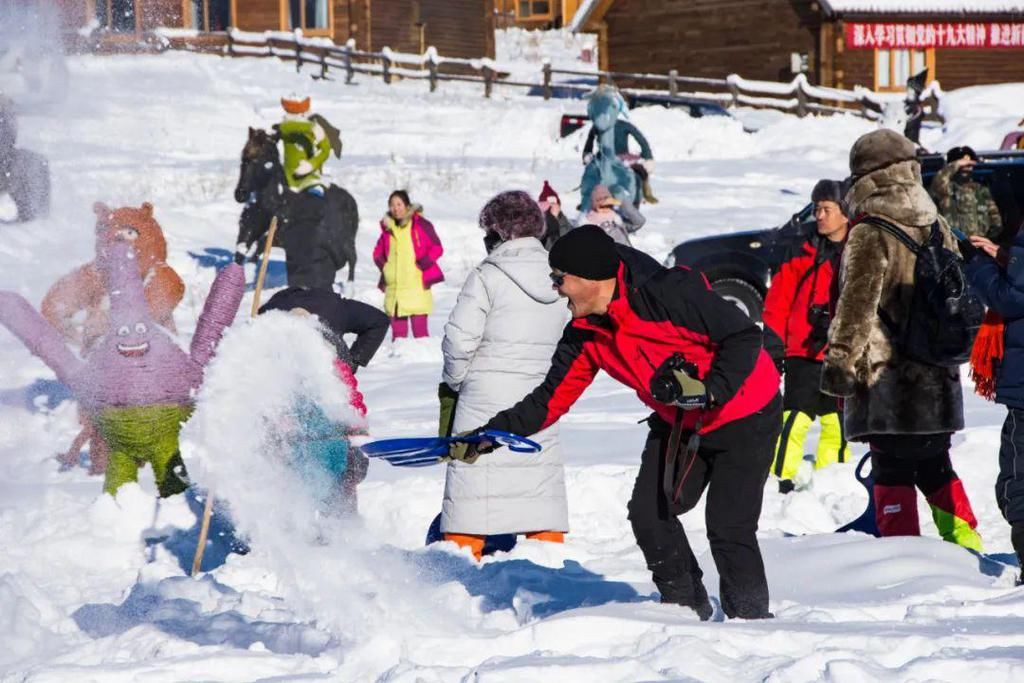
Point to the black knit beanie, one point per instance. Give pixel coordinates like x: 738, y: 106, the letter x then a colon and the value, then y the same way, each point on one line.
x: 587, y: 252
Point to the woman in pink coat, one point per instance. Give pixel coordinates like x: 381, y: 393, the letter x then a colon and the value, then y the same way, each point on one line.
x: 407, y: 254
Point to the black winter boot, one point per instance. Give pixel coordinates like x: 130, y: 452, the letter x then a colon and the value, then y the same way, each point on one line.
x: 687, y: 592
x: 1017, y: 538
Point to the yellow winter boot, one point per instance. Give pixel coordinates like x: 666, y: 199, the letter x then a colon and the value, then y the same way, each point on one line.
x: 832, y: 444
x: 789, y: 451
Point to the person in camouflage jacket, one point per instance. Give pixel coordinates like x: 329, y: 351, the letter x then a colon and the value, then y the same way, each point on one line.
x: 966, y: 204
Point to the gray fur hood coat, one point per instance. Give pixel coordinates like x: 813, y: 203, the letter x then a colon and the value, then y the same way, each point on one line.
x: 886, y: 393
x: 497, y: 347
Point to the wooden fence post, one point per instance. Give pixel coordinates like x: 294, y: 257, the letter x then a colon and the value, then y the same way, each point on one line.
x: 734, y: 90
x: 673, y: 84
x: 323, y: 64
x: 231, y: 43
x: 547, y: 79
x: 488, y: 80
x: 432, y: 68
x: 298, y: 50
x: 347, y: 58
x: 386, y: 72
x: 801, y: 100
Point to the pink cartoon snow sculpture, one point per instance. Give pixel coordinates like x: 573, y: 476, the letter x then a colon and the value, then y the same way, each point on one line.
x: 136, y: 383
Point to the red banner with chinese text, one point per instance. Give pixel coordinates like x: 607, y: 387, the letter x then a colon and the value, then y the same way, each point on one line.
x: 918, y: 36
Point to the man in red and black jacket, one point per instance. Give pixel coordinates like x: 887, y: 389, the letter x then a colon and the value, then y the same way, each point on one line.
x: 697, y: 361
x: 798, y: 311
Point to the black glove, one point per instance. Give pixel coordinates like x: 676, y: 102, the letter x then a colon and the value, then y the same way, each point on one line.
x: 968, y: 250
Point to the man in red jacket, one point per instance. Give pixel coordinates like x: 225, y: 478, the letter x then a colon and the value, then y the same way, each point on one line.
x: 697, y: 361
x: 797, y: 311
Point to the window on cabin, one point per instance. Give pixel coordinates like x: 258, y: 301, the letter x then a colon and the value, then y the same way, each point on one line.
x: 534, y: 9
x: 309, y: 15
x: 116, y: 15
x: 894, y: 67
x: 210, y: 15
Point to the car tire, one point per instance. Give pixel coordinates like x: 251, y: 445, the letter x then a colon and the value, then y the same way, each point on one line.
x: 741, y: 293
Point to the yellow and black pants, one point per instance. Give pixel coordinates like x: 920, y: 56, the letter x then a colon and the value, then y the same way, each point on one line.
x: 803, y: 403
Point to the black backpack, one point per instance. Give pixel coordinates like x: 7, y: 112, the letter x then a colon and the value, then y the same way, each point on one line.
x: 944, y: 313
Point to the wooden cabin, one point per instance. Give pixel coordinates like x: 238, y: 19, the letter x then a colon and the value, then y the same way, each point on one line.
x: 840, y: 43
x: 457, y: 28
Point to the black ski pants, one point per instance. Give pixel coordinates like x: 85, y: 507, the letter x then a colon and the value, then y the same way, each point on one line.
x: 732, y: 465
x: 1010, y: 482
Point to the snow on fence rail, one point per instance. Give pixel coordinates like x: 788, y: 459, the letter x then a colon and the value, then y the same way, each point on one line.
x: 798, y: 96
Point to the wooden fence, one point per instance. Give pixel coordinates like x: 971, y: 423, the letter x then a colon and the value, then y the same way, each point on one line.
x: 798, y: 96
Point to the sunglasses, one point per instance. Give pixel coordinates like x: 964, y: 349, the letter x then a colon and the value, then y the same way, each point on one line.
x: 557, y: 279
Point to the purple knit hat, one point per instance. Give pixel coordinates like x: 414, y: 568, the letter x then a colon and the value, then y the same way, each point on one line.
x: 511, y: 215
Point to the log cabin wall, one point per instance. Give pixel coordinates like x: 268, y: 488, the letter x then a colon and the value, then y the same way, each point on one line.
x: 712, y: 38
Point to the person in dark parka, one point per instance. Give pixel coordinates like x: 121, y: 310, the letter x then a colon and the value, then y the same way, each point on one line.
x: 997, y: 276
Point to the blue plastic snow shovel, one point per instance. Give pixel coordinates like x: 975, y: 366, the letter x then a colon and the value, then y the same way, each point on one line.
x: 426, y: 451
x: 866, y: 522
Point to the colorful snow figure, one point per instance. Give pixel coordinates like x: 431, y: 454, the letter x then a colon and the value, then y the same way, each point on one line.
x: 136, y: 383
x: 606, y: 168
x: 76, y: 303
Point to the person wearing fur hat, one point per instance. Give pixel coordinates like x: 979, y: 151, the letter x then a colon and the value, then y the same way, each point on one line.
x: 796, y: 310
x: 905, y: 410
x: 965, y: 203
x: 407, y: 252
x: 618, y: 219
x: 497, y: 346
x: 555, y: 220
x: 697, y: 362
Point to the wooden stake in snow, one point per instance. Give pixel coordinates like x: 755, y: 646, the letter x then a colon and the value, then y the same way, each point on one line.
x: 204, y: 528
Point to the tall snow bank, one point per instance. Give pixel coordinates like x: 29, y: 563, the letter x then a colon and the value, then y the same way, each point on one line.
x: 979, y: 116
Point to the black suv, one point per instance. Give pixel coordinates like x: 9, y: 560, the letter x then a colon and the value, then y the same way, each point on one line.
x: 740, y: 265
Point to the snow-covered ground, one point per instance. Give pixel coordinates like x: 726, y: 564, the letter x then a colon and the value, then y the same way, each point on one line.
x: 96, y: 589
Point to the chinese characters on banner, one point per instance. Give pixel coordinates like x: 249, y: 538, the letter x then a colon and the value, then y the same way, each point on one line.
x: 925, y: 35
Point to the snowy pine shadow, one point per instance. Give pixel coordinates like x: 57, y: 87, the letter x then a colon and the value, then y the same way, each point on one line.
x: 220, y: 542
x: 529, y: 589
x: 168, y: 606
x: 217, y: 258
x: 42, y: 394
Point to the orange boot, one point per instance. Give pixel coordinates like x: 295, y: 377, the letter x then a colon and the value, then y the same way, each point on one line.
x: 471, y: 541
x: 549, y: 536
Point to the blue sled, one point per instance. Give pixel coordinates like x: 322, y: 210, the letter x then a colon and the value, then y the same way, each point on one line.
x: 217, y: 258
x: 866, y: 522
x: 426, y: 451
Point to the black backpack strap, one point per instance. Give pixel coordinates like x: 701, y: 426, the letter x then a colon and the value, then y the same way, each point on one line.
x: 900, y: 236
x: 904, y: 239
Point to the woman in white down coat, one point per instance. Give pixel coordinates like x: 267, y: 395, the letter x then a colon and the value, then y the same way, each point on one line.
x: 497, y: 347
